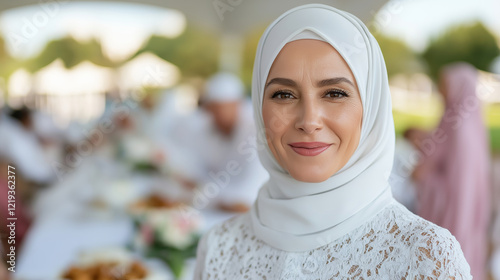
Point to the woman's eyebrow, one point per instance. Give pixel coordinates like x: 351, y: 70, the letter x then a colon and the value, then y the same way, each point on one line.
x: 282, y: 81
x: 334, y: 81
x: 322, y: 83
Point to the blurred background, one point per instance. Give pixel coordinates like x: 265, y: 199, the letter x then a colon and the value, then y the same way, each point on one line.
x: 102, y: 104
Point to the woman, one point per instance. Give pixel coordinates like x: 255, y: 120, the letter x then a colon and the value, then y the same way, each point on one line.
x: 321, y: 95
x: 453, y: 177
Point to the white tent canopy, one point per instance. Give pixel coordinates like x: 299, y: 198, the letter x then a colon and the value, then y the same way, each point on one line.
x: 53, y: 78
x: 20, y: 83
x: 85, y: 78
x: 147, y: 71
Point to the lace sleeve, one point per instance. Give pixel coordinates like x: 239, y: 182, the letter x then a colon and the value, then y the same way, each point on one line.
x: 437, y: 255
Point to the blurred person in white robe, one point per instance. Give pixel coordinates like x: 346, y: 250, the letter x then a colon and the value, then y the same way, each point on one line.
x: 144, y: 126
x: 21, y: 146
x: 152, y: 116
x: 49, y: 134
x: 402, y: 185
x: 144, y: 116
x: 217, y: 147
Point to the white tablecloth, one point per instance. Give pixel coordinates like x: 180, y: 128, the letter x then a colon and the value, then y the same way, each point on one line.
x: 65, y: 226
x: 52, y: 244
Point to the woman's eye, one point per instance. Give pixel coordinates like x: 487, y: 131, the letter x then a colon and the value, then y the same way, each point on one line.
x: 282, y: 95
x: 336, y: 94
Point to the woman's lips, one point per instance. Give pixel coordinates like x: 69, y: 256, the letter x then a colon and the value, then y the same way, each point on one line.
x: 309, y: 148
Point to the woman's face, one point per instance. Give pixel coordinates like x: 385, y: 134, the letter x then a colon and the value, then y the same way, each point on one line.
x: 312, y: 110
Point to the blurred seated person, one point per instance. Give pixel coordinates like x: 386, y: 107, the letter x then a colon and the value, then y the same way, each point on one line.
x: 218, y: 144
x: 145, y: 116
x: 23, y: 148
x: 51, y: 137
x: 416, y: 137
x: 401, y: 181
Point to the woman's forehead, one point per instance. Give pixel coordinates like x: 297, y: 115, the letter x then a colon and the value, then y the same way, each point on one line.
x: 319, y: 58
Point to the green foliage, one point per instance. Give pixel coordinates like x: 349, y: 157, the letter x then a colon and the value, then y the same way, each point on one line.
x: 399, y: 58
x: 71, y: 51
x: 249, y: 51
x: 405, y: 120
x: 3, y: 57
x: 495, y: 139
x: 195, y: 51
x: 7, y: 63
x: 472, y: 43
x: 3, y: 51
x: 173, y: 257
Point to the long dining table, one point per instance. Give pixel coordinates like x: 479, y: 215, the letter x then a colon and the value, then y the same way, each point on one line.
x: 67, y: 223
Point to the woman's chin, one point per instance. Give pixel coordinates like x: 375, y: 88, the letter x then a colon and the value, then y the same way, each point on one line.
x: 310, y: 176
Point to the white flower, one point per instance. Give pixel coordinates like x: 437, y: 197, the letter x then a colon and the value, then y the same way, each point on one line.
x: 175, y: 237
x: 174, y: 227
x: 138, y: 149
x: 157, y: 218
x: 118, y: 193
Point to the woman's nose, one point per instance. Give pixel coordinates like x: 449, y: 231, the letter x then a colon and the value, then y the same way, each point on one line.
x: 309, y: 119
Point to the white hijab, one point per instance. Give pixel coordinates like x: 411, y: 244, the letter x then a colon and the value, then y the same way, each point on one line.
x: 297, y: 216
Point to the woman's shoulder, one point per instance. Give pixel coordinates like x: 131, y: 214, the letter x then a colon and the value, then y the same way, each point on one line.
x: 216, y: 241
x: 404, y: 222
x: 431, y: 247
x: 229, y: 231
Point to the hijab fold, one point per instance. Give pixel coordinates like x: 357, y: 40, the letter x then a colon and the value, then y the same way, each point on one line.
x: 298, y: 216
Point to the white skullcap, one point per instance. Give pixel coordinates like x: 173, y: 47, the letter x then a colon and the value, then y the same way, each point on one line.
x: 223, y: 87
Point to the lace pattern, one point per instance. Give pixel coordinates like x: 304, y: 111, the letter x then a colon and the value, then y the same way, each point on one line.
x: 396, y: 244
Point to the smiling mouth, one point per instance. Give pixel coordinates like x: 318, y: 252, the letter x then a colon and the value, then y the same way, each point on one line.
x: 309, y: 148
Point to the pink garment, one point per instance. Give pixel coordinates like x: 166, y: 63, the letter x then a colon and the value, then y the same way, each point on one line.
x: 454, y: 186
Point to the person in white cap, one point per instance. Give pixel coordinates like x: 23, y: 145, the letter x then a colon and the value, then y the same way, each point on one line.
x: 220, y: 139
x: 222, y: 100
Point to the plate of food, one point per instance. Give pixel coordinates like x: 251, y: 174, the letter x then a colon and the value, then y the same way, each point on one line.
x: 155, y: 201
x: 114, y: 264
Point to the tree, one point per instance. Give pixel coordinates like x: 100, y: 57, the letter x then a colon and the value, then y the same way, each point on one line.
x: 472, y: 43
x: 195, y: 51
x: 399, y: 58
x: 8, y: 64
x: 71, y: 51
x: 249, y: 51
x: 3, y: 51
x: 6, y: 60
x: 3, y: 56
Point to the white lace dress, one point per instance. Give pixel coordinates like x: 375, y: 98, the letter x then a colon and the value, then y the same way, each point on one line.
x: 395, y: 244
